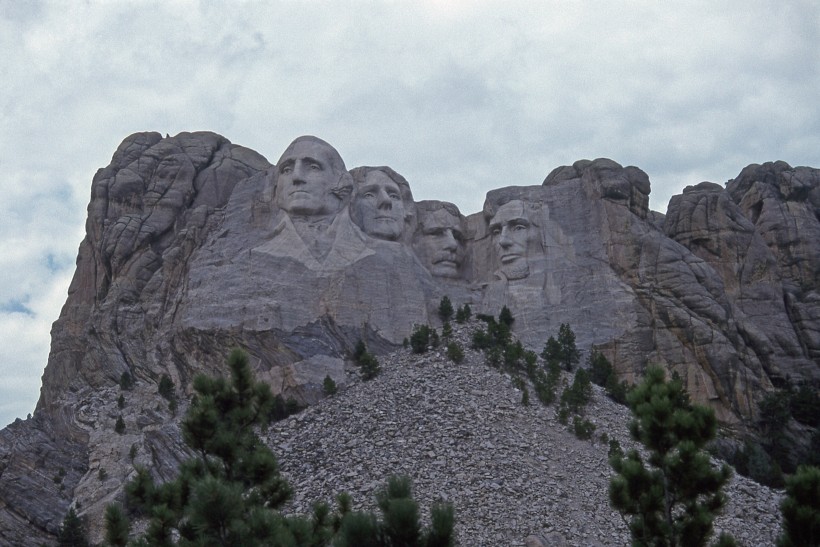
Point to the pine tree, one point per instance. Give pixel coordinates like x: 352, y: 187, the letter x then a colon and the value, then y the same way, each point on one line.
x: 445, y: 309
x: 227, y: 494
x: 569, y: 354
x: 674, y: 497
x: 72, y: 532
x: 801, y: 509
x: 400, y: 523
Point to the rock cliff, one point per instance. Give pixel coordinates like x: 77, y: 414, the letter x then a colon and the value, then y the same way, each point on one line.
x: 195, y: 245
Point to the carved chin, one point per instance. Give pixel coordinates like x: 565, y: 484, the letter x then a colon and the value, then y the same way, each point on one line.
x: 517, y: 270
x: 444, y: 269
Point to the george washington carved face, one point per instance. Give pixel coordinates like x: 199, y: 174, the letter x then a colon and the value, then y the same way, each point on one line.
x: 309, y: 178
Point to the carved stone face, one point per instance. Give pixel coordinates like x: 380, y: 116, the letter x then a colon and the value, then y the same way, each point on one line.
x: 305, y: 179
x: 440, y: 243
x: 379, y: 206
x: 513, y: 236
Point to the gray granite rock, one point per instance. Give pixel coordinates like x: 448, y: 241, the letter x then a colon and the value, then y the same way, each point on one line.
x: 195, y: 245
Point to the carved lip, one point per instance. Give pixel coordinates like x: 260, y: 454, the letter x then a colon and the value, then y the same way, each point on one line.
x: 512, y: 257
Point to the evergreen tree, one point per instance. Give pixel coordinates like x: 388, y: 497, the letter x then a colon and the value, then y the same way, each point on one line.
x: 116, y: 526
x: 445, y: 309
x: 506, y: 317
x: 673, y: 500
x: 72, y: 532
x: 226, y: 494
x: 463, y: 314
x: 400, y: 524
x: 569, y: 354
x: 329, y: 386
x: 801, y: 509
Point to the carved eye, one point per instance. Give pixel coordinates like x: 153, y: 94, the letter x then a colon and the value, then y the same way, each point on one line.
x: 519, y: 227
x: 369, y: 194
x: 495, y: 230
x: 315, y: 167
x: 394, y: 196
x: 286, y: 170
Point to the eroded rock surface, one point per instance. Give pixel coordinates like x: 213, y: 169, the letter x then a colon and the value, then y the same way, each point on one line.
x: 195, y: 245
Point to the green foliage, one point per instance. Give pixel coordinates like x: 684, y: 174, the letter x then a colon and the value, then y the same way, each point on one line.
x: 804, y: 405
x: 578, y: 395
x: 400, y: 522
x: 369, y: 366
x: 359, y: 350
x: 72, y: 531
x: 775, y: 415
x: 226, y: 493
x: 600, y: 369
x: 570, y: 356
x: 801, y: 509
x: 497, y: 334
x: 445, y: 309
x: 506, y: 317
x: 754, y: 462
x: 117, y: 526
x: 121, y: 401
x: 420, y: 338
x: 126, y: 381
x: 166, y: 387
x: 552, y: 351
x: 119, y: 427
x: 329, y: 386
x: 454, y: 352
x: 582, y: 428
x: 447, y: 330
x: 615, y: 450
x: 463, y: 314
x: 673, y: 498
x: 281, y: 408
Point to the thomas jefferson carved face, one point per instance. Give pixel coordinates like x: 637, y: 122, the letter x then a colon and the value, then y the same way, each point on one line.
x: 307, y: 177
x: 513, y: 236
x: 379, y: 207
x: 439, y: 242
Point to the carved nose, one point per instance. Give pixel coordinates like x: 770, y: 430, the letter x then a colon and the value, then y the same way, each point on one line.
x: 450, y: 243
x: 384, y: 201
x: 298, y: 174
x: 504, y: 239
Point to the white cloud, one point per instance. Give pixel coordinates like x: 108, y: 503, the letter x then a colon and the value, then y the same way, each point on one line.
x: 460, y: 97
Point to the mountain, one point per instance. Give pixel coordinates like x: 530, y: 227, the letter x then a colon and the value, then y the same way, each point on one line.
x: 195, y: 245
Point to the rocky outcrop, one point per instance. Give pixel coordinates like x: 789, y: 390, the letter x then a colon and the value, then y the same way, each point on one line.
x: 195, y: 245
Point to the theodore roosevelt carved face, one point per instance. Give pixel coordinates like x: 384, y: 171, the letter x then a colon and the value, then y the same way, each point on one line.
x: 439, y: 239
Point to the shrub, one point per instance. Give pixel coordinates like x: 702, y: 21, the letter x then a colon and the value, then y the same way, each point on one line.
x: 126, y: 381
x: 583, y: 428
x: 121, y: 401
x: 454, y: 352
x: 801, y: 509
x: 166, y: 387
x: 463, y: 314
x: 445, y: 309
x: 420, y: 338
x: 329, y: 386
x: 119, y: 427
x: 369, y: 366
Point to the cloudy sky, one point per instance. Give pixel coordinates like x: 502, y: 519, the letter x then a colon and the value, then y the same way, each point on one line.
x: 458, y: 96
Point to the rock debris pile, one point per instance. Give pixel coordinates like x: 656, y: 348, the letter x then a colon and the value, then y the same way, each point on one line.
x: 461, y: 433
